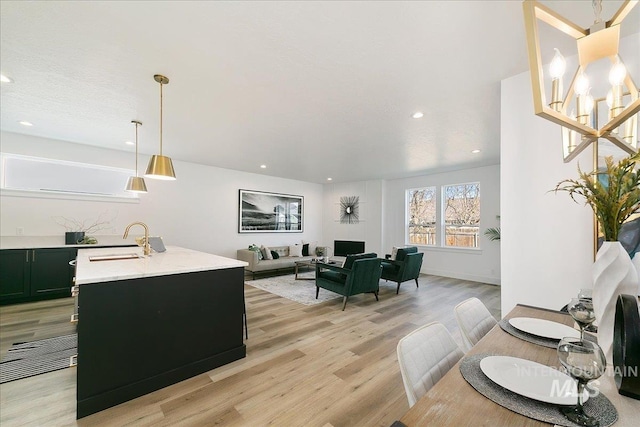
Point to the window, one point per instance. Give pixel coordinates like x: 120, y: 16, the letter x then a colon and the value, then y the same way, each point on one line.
x: 422, y: 216
x: 57, y: 177
x: 461, y: 214
x: 450, y: 220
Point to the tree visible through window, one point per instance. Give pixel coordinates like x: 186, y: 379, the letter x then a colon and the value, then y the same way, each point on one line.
x: 462, y: 214
x: 422, y: 216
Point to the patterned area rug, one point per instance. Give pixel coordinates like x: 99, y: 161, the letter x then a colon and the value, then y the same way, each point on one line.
x: 37, y: 357
x: 302, y: 291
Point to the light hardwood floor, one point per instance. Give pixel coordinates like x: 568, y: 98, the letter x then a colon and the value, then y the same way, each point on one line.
x: 305, y: 365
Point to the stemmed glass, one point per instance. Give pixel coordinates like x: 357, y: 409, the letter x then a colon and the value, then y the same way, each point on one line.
x: 584, y: 361
x: 581, y: 309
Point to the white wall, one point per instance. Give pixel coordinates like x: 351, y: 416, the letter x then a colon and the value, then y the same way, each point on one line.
x: 382, y: 226
x: 199, y: 210
x: 369, y: 228
x: 547, y: 240
x: 482, y: 264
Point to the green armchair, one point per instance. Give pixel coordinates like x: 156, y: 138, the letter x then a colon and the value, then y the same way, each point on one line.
x: 360, y: 274
x: 405, y: 267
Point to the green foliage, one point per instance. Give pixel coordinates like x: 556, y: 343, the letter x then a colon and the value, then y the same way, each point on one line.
x: 492, y: 233
x: 613, y: 194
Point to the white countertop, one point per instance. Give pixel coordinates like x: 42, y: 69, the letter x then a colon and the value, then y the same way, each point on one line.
x: 35, y: 242
x: 175, y: 260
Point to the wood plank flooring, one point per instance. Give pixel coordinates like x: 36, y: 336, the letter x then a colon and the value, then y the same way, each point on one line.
x: 305, y: 365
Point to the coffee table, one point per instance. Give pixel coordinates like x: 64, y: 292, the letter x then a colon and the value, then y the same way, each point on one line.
x: 308, y: 264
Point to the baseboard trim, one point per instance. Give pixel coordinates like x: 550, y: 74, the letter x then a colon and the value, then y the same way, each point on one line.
x: 463, y: 276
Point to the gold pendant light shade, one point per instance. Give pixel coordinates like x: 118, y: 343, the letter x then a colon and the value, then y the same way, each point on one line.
x: 160, y: 167
x: 136, y: 184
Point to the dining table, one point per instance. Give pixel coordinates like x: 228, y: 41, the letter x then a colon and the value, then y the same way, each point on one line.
x: 452, y: 401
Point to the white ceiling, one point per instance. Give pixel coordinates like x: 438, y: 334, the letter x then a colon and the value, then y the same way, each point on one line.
x: 311, y: 89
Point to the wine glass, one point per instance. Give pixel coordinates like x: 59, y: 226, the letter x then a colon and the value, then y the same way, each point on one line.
x: 581, y: 309
x: 584, y: 361
x: 585, y: 293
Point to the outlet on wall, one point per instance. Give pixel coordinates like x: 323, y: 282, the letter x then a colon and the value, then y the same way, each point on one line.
x: 20, y: 231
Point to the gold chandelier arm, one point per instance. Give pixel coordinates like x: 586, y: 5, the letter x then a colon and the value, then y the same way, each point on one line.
x: 550, y: 17
x: 622, y: 12
x: 629, y: 111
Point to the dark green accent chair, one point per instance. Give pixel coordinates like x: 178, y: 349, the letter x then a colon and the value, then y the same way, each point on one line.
x: 405, y: 267
x: 360, y: 274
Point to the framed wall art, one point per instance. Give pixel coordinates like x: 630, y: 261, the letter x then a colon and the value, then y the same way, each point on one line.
x: 263, y: 212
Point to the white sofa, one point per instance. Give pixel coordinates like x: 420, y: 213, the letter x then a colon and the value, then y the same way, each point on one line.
x: 257, y: 265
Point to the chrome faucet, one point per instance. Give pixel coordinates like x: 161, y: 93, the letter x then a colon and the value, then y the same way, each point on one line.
x: 146, y: 247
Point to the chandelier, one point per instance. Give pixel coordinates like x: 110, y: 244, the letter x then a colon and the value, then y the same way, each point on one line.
x: 582, y: 114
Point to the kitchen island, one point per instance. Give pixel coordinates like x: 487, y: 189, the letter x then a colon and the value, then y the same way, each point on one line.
x: 149, y: 322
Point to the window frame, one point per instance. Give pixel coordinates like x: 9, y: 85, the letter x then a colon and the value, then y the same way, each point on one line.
x: 440, y: 239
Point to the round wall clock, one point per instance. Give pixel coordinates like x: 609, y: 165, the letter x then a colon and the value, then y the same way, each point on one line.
x: 626, y: 346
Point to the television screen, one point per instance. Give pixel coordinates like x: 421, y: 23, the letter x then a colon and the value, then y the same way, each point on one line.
x: 347, y: 247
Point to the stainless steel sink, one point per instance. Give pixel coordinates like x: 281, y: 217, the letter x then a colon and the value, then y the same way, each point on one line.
x: 113, y: 257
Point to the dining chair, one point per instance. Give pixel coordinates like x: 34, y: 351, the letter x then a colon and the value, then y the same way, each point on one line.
x: 426, y: 355
x: 474, y: 321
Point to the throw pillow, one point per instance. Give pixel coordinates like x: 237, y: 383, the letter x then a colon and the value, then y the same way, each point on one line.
x: 305, y: 249
x: 257, y: 250
x: 295, y: 250
x: 313, y: 247
x: 266, y: 252
x: 394, y: 252
x: 275, y: 255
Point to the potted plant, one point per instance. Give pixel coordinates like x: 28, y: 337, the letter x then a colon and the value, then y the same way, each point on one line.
x: 77, y: 231
x: 614, y: 195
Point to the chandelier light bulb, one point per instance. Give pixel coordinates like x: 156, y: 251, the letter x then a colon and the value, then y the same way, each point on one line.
x: 617, y: 74
x: 588, y: 102
x: 582, y: 84
x: 558, y: 65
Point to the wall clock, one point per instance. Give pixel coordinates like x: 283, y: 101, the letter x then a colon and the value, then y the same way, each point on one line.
x: 349, y: 207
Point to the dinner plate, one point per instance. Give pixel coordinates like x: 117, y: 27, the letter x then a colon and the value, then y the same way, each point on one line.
x: 531, y: 379
x: 544, y: 328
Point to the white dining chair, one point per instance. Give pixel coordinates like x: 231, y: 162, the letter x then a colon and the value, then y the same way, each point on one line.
x: 426, y: 355
x: 474, y: 321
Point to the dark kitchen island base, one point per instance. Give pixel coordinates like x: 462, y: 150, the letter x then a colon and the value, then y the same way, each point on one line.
x: 138, y: 335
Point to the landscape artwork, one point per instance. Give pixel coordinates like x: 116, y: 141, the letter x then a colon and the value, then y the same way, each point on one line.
x: 262, y: 212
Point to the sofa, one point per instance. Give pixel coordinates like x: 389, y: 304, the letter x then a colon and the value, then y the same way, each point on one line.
x: 257, y: 265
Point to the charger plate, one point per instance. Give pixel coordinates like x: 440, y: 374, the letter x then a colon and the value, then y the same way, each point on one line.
x: 597, y: 406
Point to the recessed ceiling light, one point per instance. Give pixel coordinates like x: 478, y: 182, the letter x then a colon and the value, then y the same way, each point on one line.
x: 476, y: 151
x: 418, y: 115
x: 329, y: 179
x: 25, y: 123
x: 263, y: 166
x: 5, y: 79
x: 130, y: 143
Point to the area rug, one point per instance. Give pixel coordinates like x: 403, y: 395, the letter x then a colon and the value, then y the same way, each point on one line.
x: 301, y: 291
x: 37, y: 357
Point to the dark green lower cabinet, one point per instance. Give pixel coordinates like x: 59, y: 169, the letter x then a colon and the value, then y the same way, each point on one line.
x: 15, y: 274
x: 35, y: 274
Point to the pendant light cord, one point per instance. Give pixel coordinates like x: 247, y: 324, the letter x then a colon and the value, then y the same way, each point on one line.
x: 136, y: 150
x: 161, y: 118
x: 597, y: 10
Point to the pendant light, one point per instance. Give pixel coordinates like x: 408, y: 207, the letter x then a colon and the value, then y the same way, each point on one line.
x: 160, y: 167
x: 136, y: 184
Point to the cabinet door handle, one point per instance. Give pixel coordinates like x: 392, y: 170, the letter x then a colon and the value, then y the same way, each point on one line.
x: 26, y: 253
x: 33, y: 255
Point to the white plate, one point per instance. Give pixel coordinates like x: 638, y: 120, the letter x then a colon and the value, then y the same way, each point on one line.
x: 544, y: 328
x: 531, y: 379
